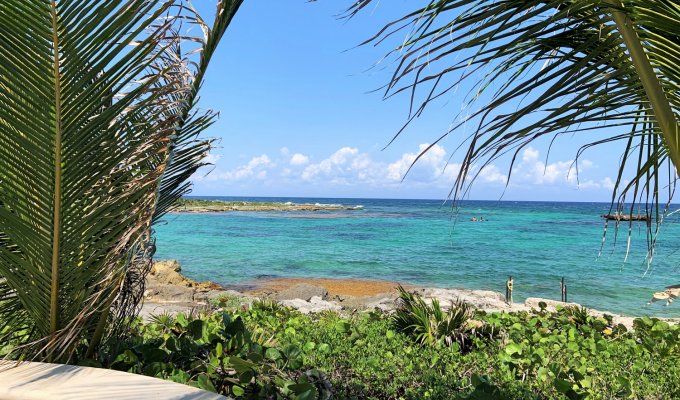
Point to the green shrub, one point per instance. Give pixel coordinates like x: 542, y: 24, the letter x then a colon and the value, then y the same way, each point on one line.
x: 217, y: 353
x: 269, y: 351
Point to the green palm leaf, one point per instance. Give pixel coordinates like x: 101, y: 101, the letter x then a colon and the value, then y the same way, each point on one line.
x: 604, y: 69
x: 97, y: 136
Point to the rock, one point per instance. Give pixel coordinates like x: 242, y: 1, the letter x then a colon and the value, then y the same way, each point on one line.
x: 314, y: 305
x: 168, y: 273
x: 149, y: 309
x: 481, y: 299
x: 171, y: 294
x: 384, y: 302
x: 207, y: 296
x: 532, y: 302
x: 302, y: 291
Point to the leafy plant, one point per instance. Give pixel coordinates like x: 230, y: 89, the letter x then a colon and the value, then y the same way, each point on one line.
x: 539, y: 355
x: 430, y: 324
x: 218, y: 353
x: 98, y: 135
x: 281, y: 353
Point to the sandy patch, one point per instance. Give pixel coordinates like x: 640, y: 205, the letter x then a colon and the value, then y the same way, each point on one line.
x: 335, y: 287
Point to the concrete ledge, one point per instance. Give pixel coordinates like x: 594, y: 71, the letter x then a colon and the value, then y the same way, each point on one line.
x: 37, y: 381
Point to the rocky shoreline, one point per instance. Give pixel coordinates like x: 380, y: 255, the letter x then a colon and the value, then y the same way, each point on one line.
x: 168, y: 291
x: 210, y: 206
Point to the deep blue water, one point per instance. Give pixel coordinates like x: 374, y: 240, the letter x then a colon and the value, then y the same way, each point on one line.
x: 422, y: 242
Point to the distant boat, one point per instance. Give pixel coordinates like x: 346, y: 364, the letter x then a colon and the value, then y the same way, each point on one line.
x: 626, y: 217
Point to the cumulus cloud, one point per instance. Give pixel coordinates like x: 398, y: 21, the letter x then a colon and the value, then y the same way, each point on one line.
x: 338, y: 164
x: 212, y: 158
x: 535, y: 171
x: 607, y: 183
x: 256, y: 168
x: 492, y: 174
x: 299, y: 159
x: 432, y: 166
x: 350, y: 166
x: 532, y: 170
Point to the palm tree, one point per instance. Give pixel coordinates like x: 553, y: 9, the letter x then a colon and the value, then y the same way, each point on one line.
x: 98, y: 135
x: 608, y: 69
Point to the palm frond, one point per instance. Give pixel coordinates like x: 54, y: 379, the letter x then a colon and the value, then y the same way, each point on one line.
x: 95, y: 102
x: 606, y: 70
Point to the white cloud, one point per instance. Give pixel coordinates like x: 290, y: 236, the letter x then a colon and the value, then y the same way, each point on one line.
x: 336, y: 165
x: 299, y: 159
x: 608, y: 183
x: 491, y: 174
x: 212, y: 158
x: 532, y: 170
x: 256, y: 168
x: 431, y: 167
x: 530, y: 154
x: 348, y: 166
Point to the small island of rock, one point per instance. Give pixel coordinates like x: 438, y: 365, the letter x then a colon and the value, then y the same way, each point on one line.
x: 206, y: 206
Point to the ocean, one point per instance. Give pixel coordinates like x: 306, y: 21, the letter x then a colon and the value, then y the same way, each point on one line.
x: 422, y: 242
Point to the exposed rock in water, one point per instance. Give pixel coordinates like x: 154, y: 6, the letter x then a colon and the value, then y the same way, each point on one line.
x: 208, y: 206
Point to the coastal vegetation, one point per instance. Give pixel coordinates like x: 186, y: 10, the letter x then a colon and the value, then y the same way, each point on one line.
x: 115, y: 88
x: 98, y: 135
x: 264, y: 350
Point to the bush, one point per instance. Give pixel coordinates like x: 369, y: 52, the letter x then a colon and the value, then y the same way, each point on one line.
x: 217, y: 353
x: 269, y: 351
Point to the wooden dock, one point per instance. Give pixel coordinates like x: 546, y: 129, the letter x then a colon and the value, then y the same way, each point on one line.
x: 626, y: 217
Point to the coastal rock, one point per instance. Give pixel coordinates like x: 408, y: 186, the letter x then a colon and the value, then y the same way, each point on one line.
x: 532, y: 302
x: 384, y: 302
x: 170, y: 294
x: 217, y: 294
x: 168, y: 272
x: 314, y: 305
x: 302, y: 291
x: 481, y: 299
x: 150, y: 309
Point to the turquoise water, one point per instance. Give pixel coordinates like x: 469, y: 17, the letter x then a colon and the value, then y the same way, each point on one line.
x: 420, y: 242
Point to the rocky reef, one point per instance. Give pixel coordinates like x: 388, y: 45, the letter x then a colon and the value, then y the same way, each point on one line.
x: 208, y: 206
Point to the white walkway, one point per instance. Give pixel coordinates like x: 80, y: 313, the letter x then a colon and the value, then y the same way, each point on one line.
x: 38, y: 381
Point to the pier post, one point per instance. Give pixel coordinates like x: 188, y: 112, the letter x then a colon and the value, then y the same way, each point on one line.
x: 508, y: 290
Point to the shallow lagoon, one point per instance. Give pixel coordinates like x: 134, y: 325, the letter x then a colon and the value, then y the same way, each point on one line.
x: 421, y: 242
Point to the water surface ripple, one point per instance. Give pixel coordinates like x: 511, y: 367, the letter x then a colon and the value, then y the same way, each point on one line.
x: 419, y: 242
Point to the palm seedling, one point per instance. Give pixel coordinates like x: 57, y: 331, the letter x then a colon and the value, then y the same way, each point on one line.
x: 429, y: 324
x: 98, y: 135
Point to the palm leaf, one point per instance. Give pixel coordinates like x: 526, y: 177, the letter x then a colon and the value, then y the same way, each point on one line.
x: 95, y: 133
x: 606, y: 70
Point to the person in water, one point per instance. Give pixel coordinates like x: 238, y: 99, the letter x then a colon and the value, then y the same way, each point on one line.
x: 473, y: 219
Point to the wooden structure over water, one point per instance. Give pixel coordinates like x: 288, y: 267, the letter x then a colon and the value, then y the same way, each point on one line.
x: 626, y: 217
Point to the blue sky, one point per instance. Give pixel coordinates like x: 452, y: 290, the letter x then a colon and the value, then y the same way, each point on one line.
x: 300, y: 117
